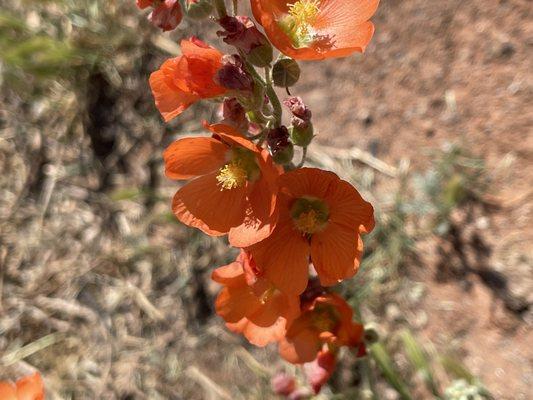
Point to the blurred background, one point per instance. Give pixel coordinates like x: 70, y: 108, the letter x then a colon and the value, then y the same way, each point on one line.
x: 109, y: 297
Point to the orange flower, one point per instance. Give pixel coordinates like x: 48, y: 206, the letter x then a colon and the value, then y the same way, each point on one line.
x: 325, y: 323
x: 183, y: 80
x: 251, y: 305
x: 316, y: 29
x: 30, y: 387
x: 320, y: 216
x: 235, y: 189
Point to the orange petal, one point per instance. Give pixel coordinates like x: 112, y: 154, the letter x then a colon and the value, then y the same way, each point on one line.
x: 333, y: 253
x: 30, y: 388
x: 262, y: 214
x: 228, y: 275
x: 203, y: 205
x: 7, y: 391
x: 190, y: 157
x: 270, y: 321
x: 231, y: 136
x: 235, y: 303
x: 348, y: 208
x: 307, y: 182
x: 301, y: 343
x: 169, y: 100
x: 284, y: 258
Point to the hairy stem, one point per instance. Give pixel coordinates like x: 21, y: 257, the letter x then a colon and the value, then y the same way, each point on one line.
x: 273, y: 97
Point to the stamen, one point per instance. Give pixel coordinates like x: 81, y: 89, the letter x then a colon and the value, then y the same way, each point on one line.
x: 298, y: 24
x: 304, y: 14
x: 232, y: 176
x: 307, y: 222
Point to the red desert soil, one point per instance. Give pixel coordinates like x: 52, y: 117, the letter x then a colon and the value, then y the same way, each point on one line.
x: 454, y: 71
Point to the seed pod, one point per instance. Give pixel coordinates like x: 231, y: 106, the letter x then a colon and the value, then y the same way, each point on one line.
x: 285, y: 72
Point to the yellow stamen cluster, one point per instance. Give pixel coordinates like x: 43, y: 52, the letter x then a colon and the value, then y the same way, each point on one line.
x: 232, y: 176
x: 303, y: 15
x: 307, y: 222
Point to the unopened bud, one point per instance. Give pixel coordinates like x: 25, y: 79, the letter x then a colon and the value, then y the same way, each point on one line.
x: 298, y: 108
x: 198, y: 9
x: 242, y: 33
x: 233, y: 113
x: 286, y: 72
x: 283, y: 384
x: 167, y: 15
x: 280, y: 146
x: 320, y: 370
x: 232, y: 74
x: 302, y: 129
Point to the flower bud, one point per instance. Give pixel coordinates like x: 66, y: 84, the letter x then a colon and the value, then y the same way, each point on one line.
x: 286, y: 72
x: 302, y: 136
x: 279, y: 145
x: 167, y: 15
x: 298, y: 108
x: 302, y: 129
x: 233, y: 113
x: 283, y: 384
x: 198, y: 9
x: 242, y: 33
x: 232, y: 74
x: 320, y: 370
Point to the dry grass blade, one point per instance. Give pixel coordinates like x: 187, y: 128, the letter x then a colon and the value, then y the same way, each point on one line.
x: 212, y: 390
x: 31, y: 348
x: 354, y: 153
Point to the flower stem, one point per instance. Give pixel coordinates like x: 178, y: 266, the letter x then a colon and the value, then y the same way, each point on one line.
x: 220, y: 5
x: 273, y: 97
x: 304, y: 156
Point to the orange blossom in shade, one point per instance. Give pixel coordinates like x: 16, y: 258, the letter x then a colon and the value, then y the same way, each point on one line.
x: 325, y: 323
x: 30, y: 387
x: 251, y: 305
x: 235, y: 185
x: 316, y: 29
x: 142, y: 4
x: 321, y: 218
x: 183, y: 80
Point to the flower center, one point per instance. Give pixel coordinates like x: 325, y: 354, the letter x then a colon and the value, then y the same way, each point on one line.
x: 309, y: 215
x: 298, y: 23
x: 324, y: 319
x: 307, y: 221
x: 232, y: 175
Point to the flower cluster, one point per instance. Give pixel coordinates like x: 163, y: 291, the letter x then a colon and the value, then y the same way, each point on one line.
x: 298, y: 228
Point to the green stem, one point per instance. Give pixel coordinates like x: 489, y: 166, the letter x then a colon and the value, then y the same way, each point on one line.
x: 273, y: 97
x: 304, y: 156
x: 220, y: 5
x: 271, y: 94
